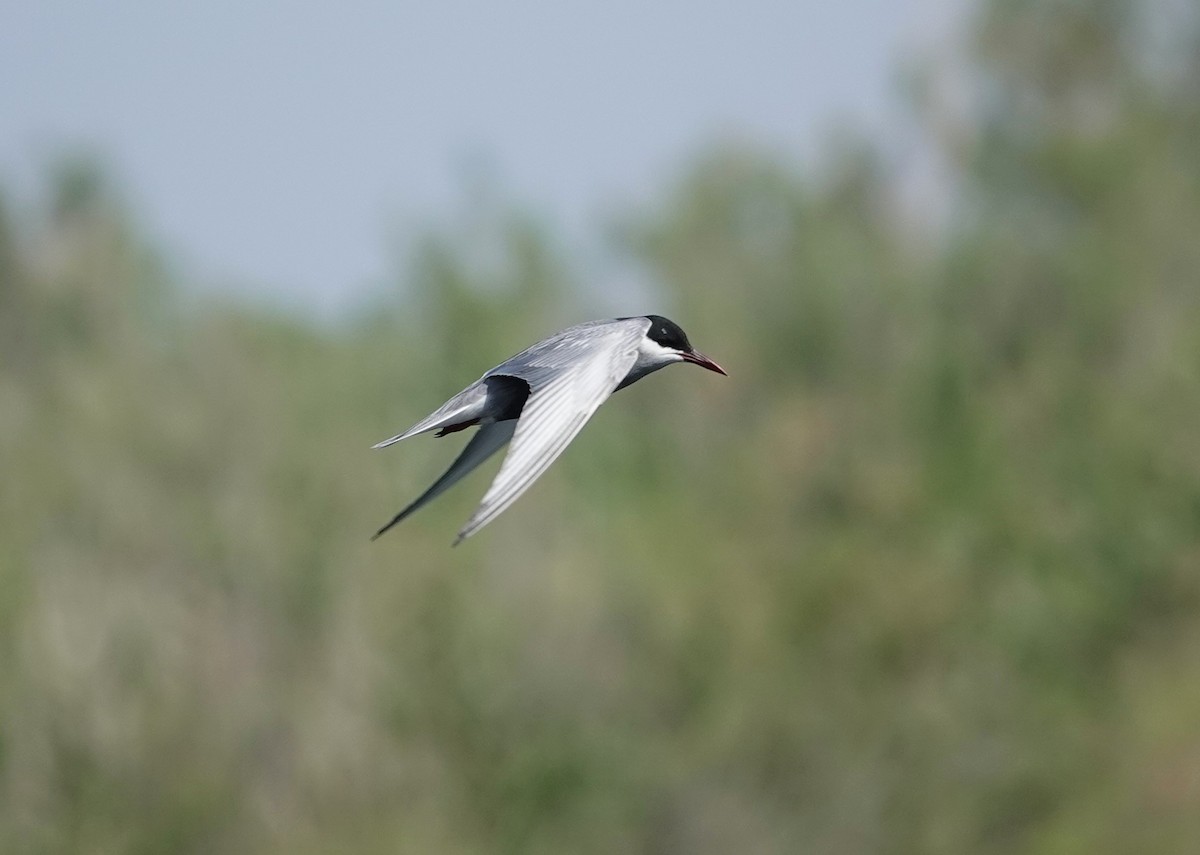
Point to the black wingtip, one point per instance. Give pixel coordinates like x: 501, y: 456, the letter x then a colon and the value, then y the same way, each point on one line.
x: 380, y: 533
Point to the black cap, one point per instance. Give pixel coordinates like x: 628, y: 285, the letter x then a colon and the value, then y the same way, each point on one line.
x: 668, y: 333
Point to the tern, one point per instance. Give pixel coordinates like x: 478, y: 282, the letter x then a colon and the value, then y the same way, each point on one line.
x: 540, y: 399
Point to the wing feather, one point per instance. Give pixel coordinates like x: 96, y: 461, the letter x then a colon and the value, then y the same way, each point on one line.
x: 489, y: 439
x: 468, y: 404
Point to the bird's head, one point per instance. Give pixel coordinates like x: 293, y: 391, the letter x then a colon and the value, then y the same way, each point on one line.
x: 666, y: 342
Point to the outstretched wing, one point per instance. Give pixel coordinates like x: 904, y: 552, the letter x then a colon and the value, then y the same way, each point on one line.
x: 489, y: 439
x: 569, y: 376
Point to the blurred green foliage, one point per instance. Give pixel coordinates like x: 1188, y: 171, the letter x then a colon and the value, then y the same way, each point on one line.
x: 922, y: 576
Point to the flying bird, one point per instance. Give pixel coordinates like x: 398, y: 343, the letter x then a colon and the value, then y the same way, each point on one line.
x: 540, y: 398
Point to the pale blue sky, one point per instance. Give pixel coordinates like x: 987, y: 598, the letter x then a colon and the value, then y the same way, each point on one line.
x: 286, y: 143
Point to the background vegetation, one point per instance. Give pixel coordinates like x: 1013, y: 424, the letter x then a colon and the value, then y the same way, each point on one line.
x: 922, y: 576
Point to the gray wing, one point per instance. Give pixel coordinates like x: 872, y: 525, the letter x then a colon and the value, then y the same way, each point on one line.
x: 490, y: 398
x: 469, y: 404
x: 569, y: 376
x: 489, y: 439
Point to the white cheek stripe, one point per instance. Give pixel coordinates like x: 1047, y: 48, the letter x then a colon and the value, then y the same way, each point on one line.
x: 655, y: 352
